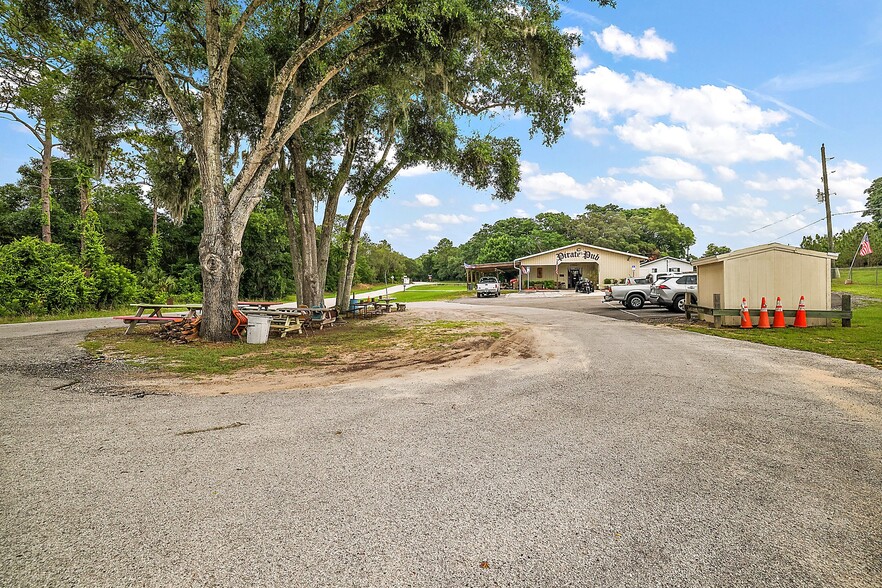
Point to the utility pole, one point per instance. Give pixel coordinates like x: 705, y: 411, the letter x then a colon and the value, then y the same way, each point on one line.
x: 827, y: 199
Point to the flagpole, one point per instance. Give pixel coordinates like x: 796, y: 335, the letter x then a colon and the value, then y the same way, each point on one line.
x: 853, y: 259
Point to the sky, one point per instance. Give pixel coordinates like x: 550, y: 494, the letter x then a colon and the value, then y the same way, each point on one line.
x: 715, y: 109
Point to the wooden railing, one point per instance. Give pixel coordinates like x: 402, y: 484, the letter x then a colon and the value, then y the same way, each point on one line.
x: 718, y: 313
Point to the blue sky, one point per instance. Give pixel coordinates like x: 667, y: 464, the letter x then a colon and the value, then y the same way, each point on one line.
x: 715, y: 111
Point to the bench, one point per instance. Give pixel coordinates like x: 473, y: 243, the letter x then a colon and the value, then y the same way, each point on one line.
x: 131, y: 321
x: 400, y: 306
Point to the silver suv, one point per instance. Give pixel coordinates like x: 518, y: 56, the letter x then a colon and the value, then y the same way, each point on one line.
x: 671, y: 293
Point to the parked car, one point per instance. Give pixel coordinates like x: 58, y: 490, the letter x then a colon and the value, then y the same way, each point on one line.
x: 671, y: 293
x: 633, y: 294
x: 488, y: 286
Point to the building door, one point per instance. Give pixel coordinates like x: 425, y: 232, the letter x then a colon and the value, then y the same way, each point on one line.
x: 574, y: 274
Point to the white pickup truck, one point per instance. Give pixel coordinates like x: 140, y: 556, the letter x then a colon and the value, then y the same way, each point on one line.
x: 488, y: 286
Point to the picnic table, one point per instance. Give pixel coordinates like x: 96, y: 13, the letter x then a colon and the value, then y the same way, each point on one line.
x: 155, y: 316
x: 249, y: 305
x: 286, y: 320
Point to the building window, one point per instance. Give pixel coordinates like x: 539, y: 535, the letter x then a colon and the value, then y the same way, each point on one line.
x: 538, y: 273
x: 675, y: 269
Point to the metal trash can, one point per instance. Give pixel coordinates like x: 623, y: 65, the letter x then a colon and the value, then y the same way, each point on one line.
x: 258, y: 329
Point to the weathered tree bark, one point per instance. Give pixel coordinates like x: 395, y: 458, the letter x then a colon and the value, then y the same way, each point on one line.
x: 304, y: 201
x: 45, y: 191
x: 291, y: 224
x: 84, y: 188
x: 352, y: 236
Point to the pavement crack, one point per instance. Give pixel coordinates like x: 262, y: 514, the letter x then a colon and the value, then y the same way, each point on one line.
x: 218, y: 428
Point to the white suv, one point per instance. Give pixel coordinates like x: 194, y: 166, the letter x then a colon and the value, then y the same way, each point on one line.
x: 671, y: 293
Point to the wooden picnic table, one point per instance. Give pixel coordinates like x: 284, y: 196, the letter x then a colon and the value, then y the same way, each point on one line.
x: 286, y: 320
x: 156, y: 315
x: 249, y: 305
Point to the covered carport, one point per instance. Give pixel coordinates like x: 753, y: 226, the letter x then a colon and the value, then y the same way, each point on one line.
x: 501, y: 270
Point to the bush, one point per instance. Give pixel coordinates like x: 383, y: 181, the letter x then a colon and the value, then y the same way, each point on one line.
x: 40, y: 278
x: 113, y: 283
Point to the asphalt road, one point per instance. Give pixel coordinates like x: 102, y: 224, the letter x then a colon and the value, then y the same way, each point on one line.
x: 629, y: 455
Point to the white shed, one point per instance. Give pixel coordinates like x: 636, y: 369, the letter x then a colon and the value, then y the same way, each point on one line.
x: 665, y: 265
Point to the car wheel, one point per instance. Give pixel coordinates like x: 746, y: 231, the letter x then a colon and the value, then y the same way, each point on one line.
x: 635, y: 302
x: 679, y: 304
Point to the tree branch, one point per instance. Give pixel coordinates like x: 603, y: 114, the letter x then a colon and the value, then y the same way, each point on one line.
x: 18, y: 119
x: 172, y: 92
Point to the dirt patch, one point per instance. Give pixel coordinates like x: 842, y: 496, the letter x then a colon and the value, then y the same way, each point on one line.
x: 856, y: 300
x: 497, y: 345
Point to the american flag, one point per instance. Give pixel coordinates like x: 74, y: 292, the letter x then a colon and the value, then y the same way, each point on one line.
x: 865, y: 245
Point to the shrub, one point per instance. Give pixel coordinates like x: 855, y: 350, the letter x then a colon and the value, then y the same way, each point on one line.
x: 113, y: 283
x: 40, y: 278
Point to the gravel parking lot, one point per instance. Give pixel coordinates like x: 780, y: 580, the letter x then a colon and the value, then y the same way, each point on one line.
x: 592, y: 464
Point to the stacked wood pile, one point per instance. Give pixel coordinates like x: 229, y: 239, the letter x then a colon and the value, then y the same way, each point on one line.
x: 182, y: 331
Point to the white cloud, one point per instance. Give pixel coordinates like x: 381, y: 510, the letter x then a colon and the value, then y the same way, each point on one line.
x: 582, y: 62
x: 417, y: 170
x: 727, y: 174
x: 699, y: 190
x: 397, y: 232
x: 528, y: 168
x: 650, y: 46
x: 665, y: 168
x: 449, y: 219
x: 573, y: 31
x: 426, y: 226
x: 482, y: 207
x: 714, y: 124
x: 637, y: 193
x: 521, y: 213
x: 427, y: 200
x: 552, y: 186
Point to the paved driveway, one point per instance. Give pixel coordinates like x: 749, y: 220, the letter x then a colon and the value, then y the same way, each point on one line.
x: 628, y: 455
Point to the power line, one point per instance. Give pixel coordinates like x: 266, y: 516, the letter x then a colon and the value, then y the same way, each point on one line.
x: 782, y: 220
x: 817, y: 221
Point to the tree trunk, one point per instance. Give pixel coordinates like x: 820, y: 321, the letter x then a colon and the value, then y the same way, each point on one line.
x: 291, y: 224
x: 313, y: 291
x: 84, y: 185
x: 219, y: 251
x: 45, y: 193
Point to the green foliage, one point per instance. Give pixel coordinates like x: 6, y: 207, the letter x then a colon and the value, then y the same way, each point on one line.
x: 113, y: 283
x: 874, y: 201
x: 39, y: 278
x: 715, y: 250
x: 846, y: 243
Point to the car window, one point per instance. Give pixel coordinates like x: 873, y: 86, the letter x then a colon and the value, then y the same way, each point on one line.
x: 682, y: 280
x: 691, y: 279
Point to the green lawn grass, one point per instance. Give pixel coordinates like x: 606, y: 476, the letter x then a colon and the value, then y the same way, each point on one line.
x: 862, y: 342
x: 432, y: 292
x: 867, y: 282
x: 83, y: 314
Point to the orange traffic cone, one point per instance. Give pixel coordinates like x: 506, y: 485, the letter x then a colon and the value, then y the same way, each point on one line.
x: 764, y: 316
x: 745, y: 315
x: 779, y: 323
x: 800, y: 314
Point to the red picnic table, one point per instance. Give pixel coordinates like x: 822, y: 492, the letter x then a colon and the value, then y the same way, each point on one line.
x: 156, y: 315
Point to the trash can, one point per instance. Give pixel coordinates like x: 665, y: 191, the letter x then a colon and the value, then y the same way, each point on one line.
x: 258, y: 329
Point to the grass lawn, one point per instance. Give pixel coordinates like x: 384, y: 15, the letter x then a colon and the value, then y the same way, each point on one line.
x: 431, y: 292
x: 867, y: 282
x: 83, y: 314
x: 861, y: 343
x: 327, y: 347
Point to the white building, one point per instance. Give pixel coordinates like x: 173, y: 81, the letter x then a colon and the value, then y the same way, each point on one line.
x: 665, y: 265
